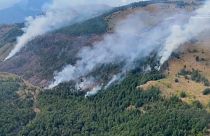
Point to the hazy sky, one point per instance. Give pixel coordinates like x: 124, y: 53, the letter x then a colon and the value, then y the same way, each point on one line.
x: 108, y: 2
x: 9, y: 3
x: 14, y: 11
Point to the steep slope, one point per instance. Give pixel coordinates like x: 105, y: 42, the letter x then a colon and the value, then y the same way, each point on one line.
x: 51, y: 52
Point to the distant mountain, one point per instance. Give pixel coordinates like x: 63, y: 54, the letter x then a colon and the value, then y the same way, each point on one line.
x: 18, y: 12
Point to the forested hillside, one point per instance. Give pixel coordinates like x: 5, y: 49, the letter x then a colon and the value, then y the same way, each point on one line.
x: 119, y: 110
x: 16, y: 102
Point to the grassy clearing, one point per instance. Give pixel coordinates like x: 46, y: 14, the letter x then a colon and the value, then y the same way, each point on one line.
x: 187, y: 60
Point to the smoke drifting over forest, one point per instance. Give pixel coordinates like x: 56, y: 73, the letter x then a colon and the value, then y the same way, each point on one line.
x: 132, y: 41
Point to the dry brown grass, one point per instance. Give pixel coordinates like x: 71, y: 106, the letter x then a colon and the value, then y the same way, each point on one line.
x: 156, y: 13
x: 194, y: 90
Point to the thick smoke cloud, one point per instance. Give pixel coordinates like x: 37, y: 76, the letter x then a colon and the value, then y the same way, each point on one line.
x: 133, y: 39
x: 60, y: 13
x: 198, y: 23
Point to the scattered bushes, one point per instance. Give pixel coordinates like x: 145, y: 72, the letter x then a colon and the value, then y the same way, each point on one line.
x: 184, y: 72
x: 197, y: 104
x: 197, y: 58
x: 183, y: 94
x: 195, y: 76
x: 176, y: 80
x: 206, y: 91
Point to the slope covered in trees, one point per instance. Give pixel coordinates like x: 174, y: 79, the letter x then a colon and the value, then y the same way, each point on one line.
x: 15, y: 112
x: 121, y: 110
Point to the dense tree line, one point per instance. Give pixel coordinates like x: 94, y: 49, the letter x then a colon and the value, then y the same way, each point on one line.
x: 120, y: 110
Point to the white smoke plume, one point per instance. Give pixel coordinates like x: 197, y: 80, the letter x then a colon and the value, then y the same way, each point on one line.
x: 198, y: 23
x: 60, y: 13
x: 114, y: 79
x: 132, y: 40
x: 93, y: 92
